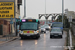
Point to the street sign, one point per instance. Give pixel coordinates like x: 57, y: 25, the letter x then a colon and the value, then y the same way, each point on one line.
x: 19, y: 16
x: 11, y: 22
x: 6, y: 9
x: 70, y: 18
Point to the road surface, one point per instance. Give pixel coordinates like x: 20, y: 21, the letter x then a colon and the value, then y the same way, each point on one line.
x: 43, y: 43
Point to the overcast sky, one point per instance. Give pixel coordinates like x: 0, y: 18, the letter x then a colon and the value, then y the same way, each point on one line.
x: 35, y: 7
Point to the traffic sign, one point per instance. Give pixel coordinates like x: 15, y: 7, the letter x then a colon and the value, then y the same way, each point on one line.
x: 7, y: 9
x: 11, y: 18
x: 19, y: 16
x: 11, y: 22
x: 70, y: 18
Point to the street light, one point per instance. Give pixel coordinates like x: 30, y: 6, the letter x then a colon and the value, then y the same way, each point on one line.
x: 45, y: 6
x: 24, y: 8
x: 45, y: 11
x: 62, y: 9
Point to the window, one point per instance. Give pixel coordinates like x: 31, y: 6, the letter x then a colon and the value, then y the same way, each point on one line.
x: 29, y: 26
x: 5, y: 22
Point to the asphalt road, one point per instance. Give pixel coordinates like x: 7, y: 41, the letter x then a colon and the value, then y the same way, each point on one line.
x: 43, y: 43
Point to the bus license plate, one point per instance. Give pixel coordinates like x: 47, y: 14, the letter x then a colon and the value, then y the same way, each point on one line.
x: 28, y: 31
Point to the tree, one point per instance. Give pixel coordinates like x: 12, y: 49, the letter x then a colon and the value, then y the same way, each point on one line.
x: 65, y: 21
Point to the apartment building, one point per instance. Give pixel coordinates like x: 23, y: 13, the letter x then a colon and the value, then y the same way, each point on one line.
x: 70, y: 13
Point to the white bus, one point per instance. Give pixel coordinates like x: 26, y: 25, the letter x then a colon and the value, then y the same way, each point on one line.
x: 29, y: 28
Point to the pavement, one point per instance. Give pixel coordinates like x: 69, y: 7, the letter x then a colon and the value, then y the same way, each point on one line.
x: 6, y: 39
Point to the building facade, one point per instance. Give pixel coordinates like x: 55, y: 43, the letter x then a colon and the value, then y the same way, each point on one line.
x: 5, y: 26
x: 70, y: 13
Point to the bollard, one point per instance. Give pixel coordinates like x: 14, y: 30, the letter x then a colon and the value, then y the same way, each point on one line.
x: 6, y: 38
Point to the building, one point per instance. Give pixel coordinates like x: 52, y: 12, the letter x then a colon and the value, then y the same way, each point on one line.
x: 70, y: 13
x: 12, y: 10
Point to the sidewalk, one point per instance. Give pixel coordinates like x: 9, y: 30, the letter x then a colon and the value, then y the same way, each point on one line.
x: 7, y: 39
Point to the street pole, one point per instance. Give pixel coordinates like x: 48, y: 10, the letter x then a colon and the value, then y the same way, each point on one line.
x: 24, y: 8
x: 45, y: 11
x: 15, y: 17
x: 11, y: 20
x: 45, y: 6
x: 15, y: 26
x: 62, y: 10
x: 11, y: 30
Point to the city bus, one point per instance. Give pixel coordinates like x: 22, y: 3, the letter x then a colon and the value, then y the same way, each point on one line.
x: 29, y: 28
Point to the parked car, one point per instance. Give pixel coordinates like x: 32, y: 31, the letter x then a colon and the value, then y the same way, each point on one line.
x: 56, y: 32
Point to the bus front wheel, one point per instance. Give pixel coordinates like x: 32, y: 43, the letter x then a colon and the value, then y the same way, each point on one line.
x: 38, y: 36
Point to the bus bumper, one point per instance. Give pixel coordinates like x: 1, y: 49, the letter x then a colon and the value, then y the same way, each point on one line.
x: 24, y: 35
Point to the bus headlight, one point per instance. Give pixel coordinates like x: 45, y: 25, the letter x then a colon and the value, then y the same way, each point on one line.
x: 36, y: 32
x: 21, y: 32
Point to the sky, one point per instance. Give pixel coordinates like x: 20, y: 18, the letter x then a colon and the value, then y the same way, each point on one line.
x: 35, y: 7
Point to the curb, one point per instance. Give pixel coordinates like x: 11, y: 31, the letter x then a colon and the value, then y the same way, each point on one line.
x: 1, y: 36
x: 9, y: 41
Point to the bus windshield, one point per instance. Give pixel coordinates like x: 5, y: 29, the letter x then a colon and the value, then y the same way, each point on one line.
x: 29, y: 26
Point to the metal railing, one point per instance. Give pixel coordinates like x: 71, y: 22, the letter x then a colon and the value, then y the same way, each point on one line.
x: 70, y: 40
x: 9, y: 36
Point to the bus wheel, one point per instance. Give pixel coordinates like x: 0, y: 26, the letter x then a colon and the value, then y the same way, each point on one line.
x: 38, y: 36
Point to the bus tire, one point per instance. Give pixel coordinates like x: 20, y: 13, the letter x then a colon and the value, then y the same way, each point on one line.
x: 60, y: 36
x: 38, y: 36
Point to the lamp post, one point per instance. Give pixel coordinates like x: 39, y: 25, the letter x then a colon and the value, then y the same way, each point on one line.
x: 45, y: 11
x: 62, y: 9
x: 24, y: 8
x: 45, y: 6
